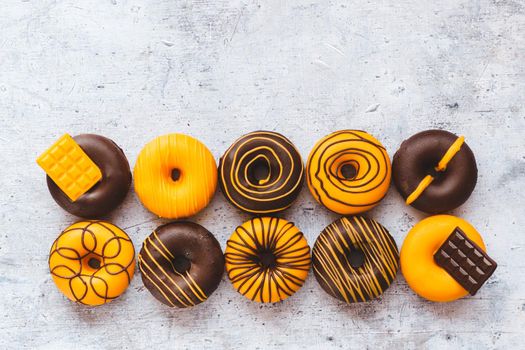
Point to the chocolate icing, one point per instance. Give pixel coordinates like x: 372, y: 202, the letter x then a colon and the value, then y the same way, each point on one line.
x: 418, y: 156
x: 181, y: 264
x: 109, y: 192
x: 262, y: 172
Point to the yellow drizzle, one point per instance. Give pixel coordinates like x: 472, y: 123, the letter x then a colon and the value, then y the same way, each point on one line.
x: 442, y: 166
x: 427, y: 180
x: 169, y: 282
x: 331, y: 264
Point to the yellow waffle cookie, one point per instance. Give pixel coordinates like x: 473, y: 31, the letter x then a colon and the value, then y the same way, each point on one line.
x: 70, y: 167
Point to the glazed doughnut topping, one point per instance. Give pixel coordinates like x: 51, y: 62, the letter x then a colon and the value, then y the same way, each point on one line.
x: 355, y: 259
x: 348, y: 171
x: 267, y: 259
x: 92, y: 262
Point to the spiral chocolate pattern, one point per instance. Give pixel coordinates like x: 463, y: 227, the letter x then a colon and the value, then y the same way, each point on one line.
x: 92, y: 262
x: 348, y: 171
x: 355, y: 259
x: 181, y: 264
x: 267, y: 259
x: 262, y: 172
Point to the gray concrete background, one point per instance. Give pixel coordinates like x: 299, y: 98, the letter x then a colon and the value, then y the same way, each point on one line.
x: 215, y: 69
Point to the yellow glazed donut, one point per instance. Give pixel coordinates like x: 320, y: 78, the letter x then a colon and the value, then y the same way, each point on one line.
x: 421, y: 272
x: 348, y: 171
x: 175, y: 176
x: 92, y: 262
x: 267, y: 259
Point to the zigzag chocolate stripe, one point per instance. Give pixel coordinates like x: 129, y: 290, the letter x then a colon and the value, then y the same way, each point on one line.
x: 334, y: 256
x: 156, y: 265
x: 94, y: 240
x: 278, y: 161
x: 267, y: 259
x: 326, y: 169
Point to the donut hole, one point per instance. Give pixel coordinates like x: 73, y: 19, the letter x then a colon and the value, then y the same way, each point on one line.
x: 356, y: 258
x: 175, y: 174
x: 267, y: 259
x: 348, y: 171
x: 259, y: 171
x: 94, y: 262
x: 181, y: 264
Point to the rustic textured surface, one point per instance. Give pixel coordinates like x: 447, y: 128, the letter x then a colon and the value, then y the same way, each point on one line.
x: 133, y: 69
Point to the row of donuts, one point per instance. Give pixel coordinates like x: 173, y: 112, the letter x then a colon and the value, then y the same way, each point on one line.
x: 348, y: 172
x: 267, y: 259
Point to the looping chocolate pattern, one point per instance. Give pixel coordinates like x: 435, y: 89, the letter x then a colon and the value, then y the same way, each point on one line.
x: 284, y: 179
x: 326, y: 161
x: 263, y: 283
x: 77, y: 274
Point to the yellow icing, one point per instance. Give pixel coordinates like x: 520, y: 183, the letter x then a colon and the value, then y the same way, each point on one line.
x: 195, y: 186
x: 267, y: 235
x: 76, y: 246
x: 368, y: 157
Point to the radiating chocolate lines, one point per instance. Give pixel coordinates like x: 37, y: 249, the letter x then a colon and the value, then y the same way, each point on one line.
x: 348, y: 171
x: 267, y: 259
x: 338, y: 271
x: 92, y: 262
x: 262, y: 172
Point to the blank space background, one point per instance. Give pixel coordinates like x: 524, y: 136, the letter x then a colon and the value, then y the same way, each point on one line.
x: 216, y: 69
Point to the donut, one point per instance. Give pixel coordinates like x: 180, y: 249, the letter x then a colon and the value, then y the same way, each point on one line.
x: 181, y: 264
x: 262, y: 172
x: 110, y: 191
x: 267, y: 259
x: 421, y: 266
x: 435, y: 171
x: 355, y: 259
x: 175, y: 176
x: 348, y: 171
x: 92, y: 262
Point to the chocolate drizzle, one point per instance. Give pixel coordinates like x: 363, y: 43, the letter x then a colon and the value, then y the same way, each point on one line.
x: 93, y: 241
x: 267, y: 259
x: 348, y: 171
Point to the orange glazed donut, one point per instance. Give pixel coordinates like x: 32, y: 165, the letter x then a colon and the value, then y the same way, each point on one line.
x: 92, y: 262
x: 422, y: 273
x: 175, y: 176
x: 348, y: 171
x: 267, y: 259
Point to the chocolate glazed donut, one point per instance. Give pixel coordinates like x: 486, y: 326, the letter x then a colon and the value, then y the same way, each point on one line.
x: 110, y: 191
x: 262, y: 172
x: 435, y: 171
x: 181, y: 264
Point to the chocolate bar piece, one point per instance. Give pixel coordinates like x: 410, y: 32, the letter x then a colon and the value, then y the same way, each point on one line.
x: 465, y: 261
